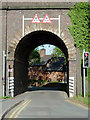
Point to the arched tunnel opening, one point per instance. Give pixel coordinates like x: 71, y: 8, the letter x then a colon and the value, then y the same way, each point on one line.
x: 26, y: 45
x: 47, y: 69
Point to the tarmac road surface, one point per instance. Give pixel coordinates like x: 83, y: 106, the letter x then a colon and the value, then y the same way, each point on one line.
x: 47, y: 104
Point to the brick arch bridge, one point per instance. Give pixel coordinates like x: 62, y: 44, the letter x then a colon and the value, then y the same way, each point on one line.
x: 32, y: 39
x: 64, y: 35
x: 16, y: 32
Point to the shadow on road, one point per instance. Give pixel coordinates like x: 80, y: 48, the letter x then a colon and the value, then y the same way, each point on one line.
x: 50, y: 86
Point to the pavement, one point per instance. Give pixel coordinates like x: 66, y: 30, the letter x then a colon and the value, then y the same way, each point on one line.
x: 7, y: 104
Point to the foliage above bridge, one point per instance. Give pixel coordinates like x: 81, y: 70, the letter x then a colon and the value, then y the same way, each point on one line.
x: 79, y: 15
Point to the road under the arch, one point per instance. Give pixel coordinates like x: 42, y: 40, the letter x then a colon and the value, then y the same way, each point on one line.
x: 23, y: 50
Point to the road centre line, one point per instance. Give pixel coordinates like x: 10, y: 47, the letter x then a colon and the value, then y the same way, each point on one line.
x: 22, y: 109
x: 11, y: 116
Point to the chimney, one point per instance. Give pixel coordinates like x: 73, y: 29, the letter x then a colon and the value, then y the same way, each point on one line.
x: 42, y: 52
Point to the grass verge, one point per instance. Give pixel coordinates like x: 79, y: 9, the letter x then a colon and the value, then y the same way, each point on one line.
x: 6, y: 97
x: 82, y: 100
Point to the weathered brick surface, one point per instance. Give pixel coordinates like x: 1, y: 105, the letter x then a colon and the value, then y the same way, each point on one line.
x: 14, y: 35
x: 14, y: 27
x: 78, y: 74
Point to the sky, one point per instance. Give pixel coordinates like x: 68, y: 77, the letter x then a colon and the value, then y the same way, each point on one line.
x: 49, y: 48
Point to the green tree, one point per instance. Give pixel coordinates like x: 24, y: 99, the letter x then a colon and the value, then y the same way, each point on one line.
x: 34, y: 57
x: 79, y: 29
x: 57, y: 52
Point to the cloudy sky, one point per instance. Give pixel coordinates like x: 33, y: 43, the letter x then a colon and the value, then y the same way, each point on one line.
x: 49, y: 48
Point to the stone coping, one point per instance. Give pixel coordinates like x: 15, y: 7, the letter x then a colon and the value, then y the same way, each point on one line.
x: 38, y: 4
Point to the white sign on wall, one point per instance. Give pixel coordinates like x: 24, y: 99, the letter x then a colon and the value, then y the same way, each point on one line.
x: 71, y: 86
x: 10, y: 70
x: 36, y: 19
x: 11, y: 86
x: 46, y: 19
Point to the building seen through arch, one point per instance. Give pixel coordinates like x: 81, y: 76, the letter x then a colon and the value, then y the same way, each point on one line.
x: 50, y: 69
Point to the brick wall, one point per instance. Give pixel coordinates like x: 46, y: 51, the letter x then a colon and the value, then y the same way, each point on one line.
x: 14, y: 32
x: 35, y: 72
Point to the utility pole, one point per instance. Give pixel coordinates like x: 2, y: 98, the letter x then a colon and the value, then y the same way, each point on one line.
x: 85, y: 65
x: 3, y: 78
x: 83, y: 75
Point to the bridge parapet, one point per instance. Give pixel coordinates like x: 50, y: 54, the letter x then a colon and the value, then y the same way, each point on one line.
x: 39, y: 4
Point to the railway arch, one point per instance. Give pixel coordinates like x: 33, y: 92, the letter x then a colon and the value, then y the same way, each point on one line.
x: 22, y: 49
x: 20, y: 39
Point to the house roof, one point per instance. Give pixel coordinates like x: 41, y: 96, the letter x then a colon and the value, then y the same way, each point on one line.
x: 46, y: 58
x: 56, y: 64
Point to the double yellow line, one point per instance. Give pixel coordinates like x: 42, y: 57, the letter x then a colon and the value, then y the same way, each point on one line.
x: 19, y: 109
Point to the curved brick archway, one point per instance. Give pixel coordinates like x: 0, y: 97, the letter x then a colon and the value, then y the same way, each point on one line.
x: 64, y: 35
x: 23, y: 49
x: 68, y: 42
